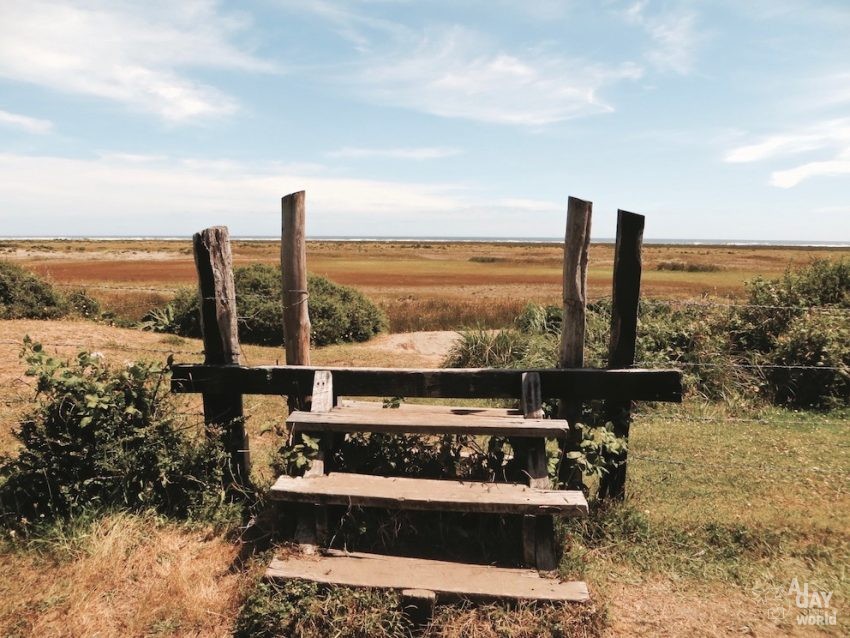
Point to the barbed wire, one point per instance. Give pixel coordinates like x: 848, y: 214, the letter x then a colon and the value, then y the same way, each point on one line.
x: 753, y: 366
x: 731, y: 305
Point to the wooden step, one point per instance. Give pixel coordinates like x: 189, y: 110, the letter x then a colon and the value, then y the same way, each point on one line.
x: 480, y: 582
x: 434, y: 420
x: 340, y: 488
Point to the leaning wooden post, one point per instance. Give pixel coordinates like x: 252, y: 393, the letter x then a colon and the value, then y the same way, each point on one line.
x: 576, y: 245
x: 222, y: 410
x: 621, y: 348
x: 296, y: 317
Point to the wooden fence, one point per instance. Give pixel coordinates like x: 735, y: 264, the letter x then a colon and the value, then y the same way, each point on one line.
x: 223, y: 381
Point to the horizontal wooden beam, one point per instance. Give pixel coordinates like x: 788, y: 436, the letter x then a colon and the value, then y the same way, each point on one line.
x: 448, y: 579
x: 458, y: 383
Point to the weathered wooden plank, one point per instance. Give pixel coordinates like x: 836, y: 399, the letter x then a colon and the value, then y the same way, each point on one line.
x: 427, y: 494
x: 222, y: 409
x: 532, y: 401
x: 469, y: 411
x: 447, y: 580
x: 321, y: 402
x: 623, y: 340
x: 293, y: 263
x: 576, y: 244
x: 396, y: 421
x: 459, y: 383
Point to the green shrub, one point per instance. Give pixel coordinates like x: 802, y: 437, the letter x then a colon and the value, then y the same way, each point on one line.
x: 774, y: 303
x: 83, y: 305
x: 337, y: 313
x: 818, y: 340
x: 676, y: 265
x: 536, y: 319
x: 100, y: 438
x: 23, y: 295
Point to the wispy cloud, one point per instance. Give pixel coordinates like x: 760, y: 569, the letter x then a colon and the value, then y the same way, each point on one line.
x: 132, y: 53
x: 673, y: 33
x: 793, y: 176
x: 423, y: 153
x: 184, y: 194
x: 457, y: 73
x: 25, y: 123
x: 831, y: 137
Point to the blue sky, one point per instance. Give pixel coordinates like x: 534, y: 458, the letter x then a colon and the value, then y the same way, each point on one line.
x: 721, y: 119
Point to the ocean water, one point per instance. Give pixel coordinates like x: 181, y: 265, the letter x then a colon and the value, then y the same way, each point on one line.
x: 444, y: 239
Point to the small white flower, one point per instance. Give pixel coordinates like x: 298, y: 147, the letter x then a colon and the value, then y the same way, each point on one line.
x: 98, y: 355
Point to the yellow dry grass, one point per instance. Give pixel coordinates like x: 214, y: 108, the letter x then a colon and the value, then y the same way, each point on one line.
x: 131, y: 576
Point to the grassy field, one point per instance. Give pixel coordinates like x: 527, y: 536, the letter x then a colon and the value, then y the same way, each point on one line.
x: 422, y: 286
x: 725, y: 508
x: 727, y: 503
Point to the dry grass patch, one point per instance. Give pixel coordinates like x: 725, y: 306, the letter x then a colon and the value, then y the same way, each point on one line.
x: 124, y: 576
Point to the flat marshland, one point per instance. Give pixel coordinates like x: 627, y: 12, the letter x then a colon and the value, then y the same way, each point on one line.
x: 728, y: 501
x: 421, y: 285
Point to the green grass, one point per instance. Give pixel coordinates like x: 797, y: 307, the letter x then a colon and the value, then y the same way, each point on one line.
x: 729, y: 505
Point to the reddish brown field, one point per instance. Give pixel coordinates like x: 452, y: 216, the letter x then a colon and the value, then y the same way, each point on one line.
x: 421, y: 286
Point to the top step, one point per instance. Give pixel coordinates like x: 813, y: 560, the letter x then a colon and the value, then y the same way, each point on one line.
x: 420, y: 419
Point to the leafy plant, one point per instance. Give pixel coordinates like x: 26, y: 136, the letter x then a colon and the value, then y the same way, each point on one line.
x: 23, y: 295
x: 99, y: 438
x: 337, y: 313
x: 83, y: 304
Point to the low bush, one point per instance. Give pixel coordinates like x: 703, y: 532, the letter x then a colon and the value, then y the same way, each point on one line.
x: 788, y: 345
x: 774, y: 303
x: 686, y: 266
x: 817, y: 340
x: 337, y: 313
x: 83, y: 305
x: 99, y: 438
x: 24, y: 295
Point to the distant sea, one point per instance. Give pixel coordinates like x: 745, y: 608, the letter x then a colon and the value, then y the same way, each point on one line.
x: 438, y: 239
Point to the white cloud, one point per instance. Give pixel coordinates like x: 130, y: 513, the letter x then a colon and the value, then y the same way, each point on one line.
x: 458, y: 74
x: 181, y: 195
x: 831, y: 136
x: 423, y: 153
x: 673, y: 33
x: 28, y: 124
x: 828, y: 134
x: 128, y: 52
x: 791, y: 177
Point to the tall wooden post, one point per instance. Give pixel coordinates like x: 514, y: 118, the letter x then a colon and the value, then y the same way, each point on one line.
x: 296, y: 317
x: 621, y: 348
x: 576, y: 245
x: 222, y: 410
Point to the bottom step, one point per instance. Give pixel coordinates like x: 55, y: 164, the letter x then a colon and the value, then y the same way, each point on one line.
x: 355, y: 569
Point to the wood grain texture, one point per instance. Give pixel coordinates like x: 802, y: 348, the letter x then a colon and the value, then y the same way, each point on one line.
x: 293, y: 264
x: 446, y: 579
x: 397, y: 421
x: 427, y: 494
x: 576, y: 245
x: 625, y: 295
x: 486, y: 383
x: 223, y: 410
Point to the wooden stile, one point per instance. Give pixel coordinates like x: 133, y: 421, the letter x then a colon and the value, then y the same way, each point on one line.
x: 622, y: 344
x: 222, y: 408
